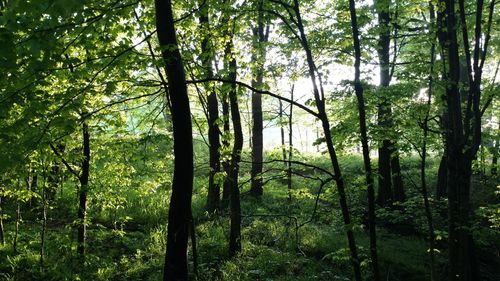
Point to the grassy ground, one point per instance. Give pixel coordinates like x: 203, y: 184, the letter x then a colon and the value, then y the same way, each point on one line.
x: 281, y: 239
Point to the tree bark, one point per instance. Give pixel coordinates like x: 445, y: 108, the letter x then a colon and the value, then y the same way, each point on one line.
x: 358, y: 88
x: 258, y: 57
x: 194, y: 246
x: 390, y: 180
x: 441, y: 186
x: 213, y: 197
x: 397, y: 180
x: 2, y: 232
x: 235, y: 208
x: 226, y: 164
x: 18, y: 221
x: 494, y: 160
x: 384, y: 110
x: 232, y: 179
x: 290, y: 147
x: 82, y: 194
x: 463, y: 136
x: 53, y: 178
x: 44, y: 223
x: 179, y: 214
x: 282, y: 132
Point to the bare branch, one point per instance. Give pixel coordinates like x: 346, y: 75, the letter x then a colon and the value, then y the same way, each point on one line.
x: 301, y: 106
x: 56, y: 152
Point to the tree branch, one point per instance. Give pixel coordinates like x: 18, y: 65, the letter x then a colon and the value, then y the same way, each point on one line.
x: 56, y: 152
x: 301, y: 106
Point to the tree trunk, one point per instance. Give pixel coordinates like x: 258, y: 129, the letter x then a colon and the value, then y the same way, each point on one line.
x: 358, y: 88
x: 320, y: 105
x: 2, y: 232
x: 397, y: 180
x: 425, y: 195
x: 461, y: 149
x: 258, y: 58
x: 494, y: 160
x: 18, y: 221
x: 226, y: 164
x: 235, y: 208
x: 53, y: 179
x: 213, y: 197
x: 32, y: 185
x: 384, y: 194
x: 389, y: 181
x: 384, y: 110
x: 194, y: 246
x: 84, y: 183
x: 441, y: 186
x: 290, y: 147
x: 282, y: 132
x: 182, y: 184
x: 44, y: 224
x: 423, y: 180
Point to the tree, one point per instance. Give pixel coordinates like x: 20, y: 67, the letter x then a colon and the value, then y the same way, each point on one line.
x: 463, y: 129
x: 82, y: 175
x: 389, y: 180
x: 82, y: 193
x: 423, y: 151
x: 319, y: 98
x: 358, y: 89
x: 2, y: 232
x: 232, y: 178
x: 179, y: 214
x: 207, y: 53
x: 260, y: 34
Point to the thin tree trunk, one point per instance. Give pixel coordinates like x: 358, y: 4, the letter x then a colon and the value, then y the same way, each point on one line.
x: 44, y: 225
x: 282, y: 132
x: 320, y: 104
x: 213, y: 197
x: 358, y: 88
x: 18, y: 221
x: 425, y: 129
x: 258, y: 58
x: 226, y: 164
x: 494, y: 160
x: 182, y: 184
x: 82, y: 194
x: 425, y: 195
x: 32, y: 185
x: 53, y: 181
x: 290, y: 146
x: 235, y: 208
x: 2, y: 232
x: 249, y: 125
x: 317, y: 137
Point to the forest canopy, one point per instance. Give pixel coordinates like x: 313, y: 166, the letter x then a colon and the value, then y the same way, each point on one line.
x: 249, y: 140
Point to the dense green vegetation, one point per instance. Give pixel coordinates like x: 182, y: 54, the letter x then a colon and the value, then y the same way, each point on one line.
x: 127, y: 233
x: 249, y: 140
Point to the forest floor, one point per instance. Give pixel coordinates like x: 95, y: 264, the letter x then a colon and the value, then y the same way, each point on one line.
x: 298, y: 239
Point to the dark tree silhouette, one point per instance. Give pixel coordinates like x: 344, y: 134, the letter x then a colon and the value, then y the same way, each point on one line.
x: 179, y: 214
